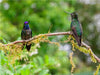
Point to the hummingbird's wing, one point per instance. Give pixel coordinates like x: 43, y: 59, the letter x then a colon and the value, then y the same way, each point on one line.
x: 23, y: 35
x: 78, y: 38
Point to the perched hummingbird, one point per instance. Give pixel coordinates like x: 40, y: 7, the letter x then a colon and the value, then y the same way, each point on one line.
x: 76, y: 28
x: 26, y: 34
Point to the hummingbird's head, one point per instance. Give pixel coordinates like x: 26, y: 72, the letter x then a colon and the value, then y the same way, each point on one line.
x: 26, y: 25
x: 74, y: 15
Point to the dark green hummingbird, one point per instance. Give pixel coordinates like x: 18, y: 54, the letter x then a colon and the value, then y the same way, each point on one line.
x: 26, y: 34
x: 76, y: 28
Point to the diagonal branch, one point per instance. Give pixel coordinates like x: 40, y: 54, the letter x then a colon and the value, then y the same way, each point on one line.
x: 53, y: 34
x: 97, y: 58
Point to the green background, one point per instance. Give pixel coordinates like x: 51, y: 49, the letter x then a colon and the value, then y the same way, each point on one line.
x: 43, y: 14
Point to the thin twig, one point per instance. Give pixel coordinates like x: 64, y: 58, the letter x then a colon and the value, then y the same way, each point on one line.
x: 52, y: 34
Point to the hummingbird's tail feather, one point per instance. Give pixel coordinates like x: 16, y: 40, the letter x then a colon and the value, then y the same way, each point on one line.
x: 79, y: 41
x: 28, y: 47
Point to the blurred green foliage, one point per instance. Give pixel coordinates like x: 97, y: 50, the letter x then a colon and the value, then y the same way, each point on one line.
x: 36, y: 65
x: 42, y: 15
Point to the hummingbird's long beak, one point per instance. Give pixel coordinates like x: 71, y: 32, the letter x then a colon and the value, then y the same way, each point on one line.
x: 67, y: 12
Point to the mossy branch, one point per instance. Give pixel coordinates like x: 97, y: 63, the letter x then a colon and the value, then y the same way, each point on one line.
x: 35, y: 37
x: 54, y: 34
x: 72, y: 63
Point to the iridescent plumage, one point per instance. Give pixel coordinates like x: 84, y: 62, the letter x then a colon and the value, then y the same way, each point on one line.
x: 26, y: 34
x: 76, y: 28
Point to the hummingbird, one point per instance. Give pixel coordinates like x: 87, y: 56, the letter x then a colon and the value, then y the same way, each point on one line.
x: 76, y: 28
x: 26, y: 34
